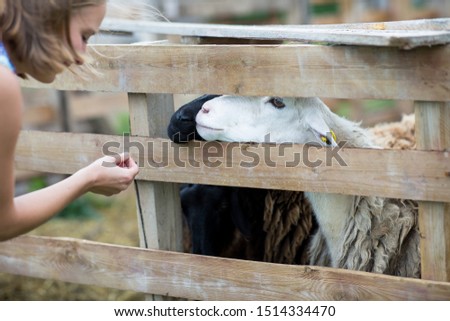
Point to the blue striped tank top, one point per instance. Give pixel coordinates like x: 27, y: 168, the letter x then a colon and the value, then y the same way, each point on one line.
x: 4, y: 58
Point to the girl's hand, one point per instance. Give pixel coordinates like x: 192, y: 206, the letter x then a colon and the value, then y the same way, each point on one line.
x: 109, y: 175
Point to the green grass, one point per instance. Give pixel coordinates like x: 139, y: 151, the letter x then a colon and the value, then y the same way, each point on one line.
x: 325, y: 8
x: 122, y: 123
x: 377, y: 105
x: 344, y: 108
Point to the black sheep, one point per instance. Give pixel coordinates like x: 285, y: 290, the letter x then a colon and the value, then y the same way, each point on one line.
x: 224, y: 221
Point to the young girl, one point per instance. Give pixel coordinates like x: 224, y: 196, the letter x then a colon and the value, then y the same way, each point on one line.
x: 40, y: 38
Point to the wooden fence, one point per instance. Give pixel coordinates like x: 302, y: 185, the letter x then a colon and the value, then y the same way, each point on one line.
x: 372, y: 63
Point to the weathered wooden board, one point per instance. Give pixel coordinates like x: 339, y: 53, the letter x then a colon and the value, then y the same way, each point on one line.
x: 416, y: 175
x: 406, y: 36
x: 286, y: 70
x: 199, y: 277
x: 158, y: 203
x: 433, y: 133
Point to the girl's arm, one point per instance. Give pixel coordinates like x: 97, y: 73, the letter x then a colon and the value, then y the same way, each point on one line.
x: 22, y: 214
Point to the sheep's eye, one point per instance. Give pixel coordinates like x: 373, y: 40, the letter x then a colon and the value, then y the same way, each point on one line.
x: 277, y: 102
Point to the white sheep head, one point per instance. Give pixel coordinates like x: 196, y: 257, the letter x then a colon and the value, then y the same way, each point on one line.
x: 265, y: 119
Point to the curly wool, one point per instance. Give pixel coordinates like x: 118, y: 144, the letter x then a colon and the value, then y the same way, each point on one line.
x: 382, y: 237
x: 397, y: 135
x: 288, y: 222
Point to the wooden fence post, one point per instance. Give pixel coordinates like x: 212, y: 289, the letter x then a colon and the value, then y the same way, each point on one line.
x: 433, y: 133
x: 158, y: 203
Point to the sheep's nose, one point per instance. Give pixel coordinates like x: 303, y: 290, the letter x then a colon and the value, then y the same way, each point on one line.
x: 205, y: 108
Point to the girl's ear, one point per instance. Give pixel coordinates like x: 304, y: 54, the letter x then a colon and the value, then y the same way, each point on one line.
x: 324, y: 134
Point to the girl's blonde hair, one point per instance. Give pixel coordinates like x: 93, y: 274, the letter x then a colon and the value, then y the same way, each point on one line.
x: 38, y: 31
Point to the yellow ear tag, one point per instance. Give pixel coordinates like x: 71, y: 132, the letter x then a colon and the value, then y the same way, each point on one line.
x: 333, y: 135
x: 325, y: 138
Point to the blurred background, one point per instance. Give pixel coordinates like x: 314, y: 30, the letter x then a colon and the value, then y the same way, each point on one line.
x: 113, y: 220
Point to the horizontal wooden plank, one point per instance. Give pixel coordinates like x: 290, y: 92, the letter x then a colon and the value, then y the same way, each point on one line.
x: 199, y: 277
x: 379, y: 34
x: 442, y: 24
x: 263, y: 70
x: 419, y: 175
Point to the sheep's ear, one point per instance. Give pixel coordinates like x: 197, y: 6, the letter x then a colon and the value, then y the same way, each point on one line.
x: 323, y: 133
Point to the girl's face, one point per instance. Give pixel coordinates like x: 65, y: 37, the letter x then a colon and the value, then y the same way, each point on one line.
x: 84, y: 23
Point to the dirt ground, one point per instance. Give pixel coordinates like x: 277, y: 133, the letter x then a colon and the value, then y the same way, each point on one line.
x: 115, y: 224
